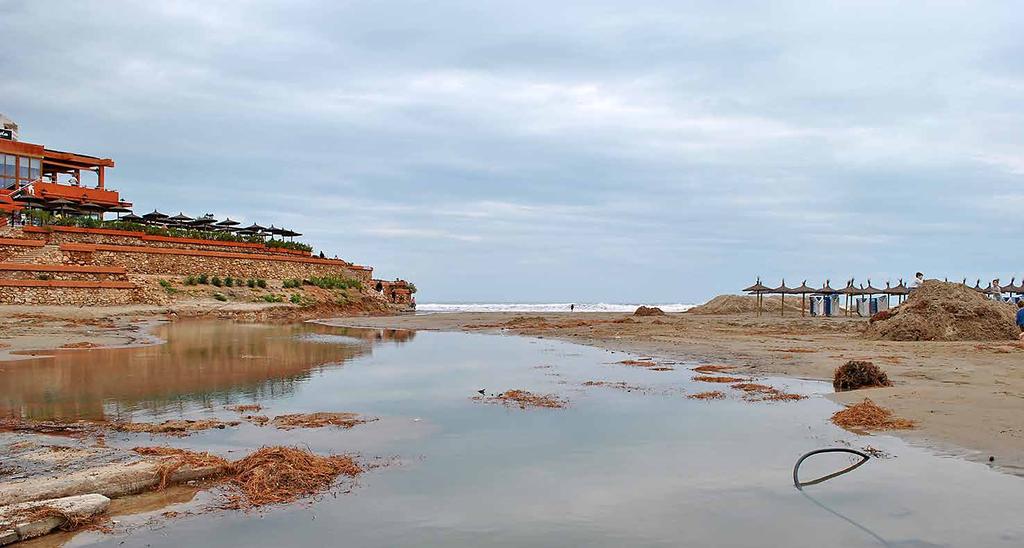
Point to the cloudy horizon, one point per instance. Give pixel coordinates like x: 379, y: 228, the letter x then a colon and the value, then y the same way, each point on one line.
x: 593, y: 151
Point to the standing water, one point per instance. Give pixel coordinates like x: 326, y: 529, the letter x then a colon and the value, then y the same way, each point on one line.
x: 639, y: 467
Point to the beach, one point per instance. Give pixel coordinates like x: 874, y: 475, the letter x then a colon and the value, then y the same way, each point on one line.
x: 965, y: 397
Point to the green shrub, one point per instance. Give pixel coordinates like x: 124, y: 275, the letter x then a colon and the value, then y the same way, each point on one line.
x: 204, y: 279
x: 295, y: 298
x: 191, y: 280
x: 271, y: 298
x: 288, y: 245
x: 229, y: 281
x: 261, y: 283
x: 216, y: 281
x: 250, y: 283
x: 335, y: 282
x: 168, y: 287
x: 220, y: 297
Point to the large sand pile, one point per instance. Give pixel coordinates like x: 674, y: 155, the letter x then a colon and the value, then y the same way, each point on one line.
x: 940, y: 311
x: 743, y: 304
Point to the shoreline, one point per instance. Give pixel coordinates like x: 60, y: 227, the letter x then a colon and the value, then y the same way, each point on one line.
x: 965, y: 397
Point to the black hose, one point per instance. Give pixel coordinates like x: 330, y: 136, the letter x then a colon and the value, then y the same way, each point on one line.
x: 800, y: 485
x: 796, y: 468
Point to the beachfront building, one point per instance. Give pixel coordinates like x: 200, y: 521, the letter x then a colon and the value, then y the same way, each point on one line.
x: 34, y: 174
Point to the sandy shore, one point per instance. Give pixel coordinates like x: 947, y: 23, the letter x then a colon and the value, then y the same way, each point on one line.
x: 966, y: 397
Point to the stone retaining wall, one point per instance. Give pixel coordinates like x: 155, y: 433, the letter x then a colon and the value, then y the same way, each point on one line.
x: 158, y: 261
x: 69, y: 296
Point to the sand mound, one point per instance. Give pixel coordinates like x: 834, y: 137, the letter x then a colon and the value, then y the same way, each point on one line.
x: 649, y: 311
x: 940, y: 311
x: 743, y: 304
x: 855, y: 374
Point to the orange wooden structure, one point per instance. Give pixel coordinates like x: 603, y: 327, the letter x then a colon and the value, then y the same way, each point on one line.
x: 28, y: 169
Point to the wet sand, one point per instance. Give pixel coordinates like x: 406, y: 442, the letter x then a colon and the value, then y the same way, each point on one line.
x: 966, y: 397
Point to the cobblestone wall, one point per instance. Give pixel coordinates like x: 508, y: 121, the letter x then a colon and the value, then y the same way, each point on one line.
x: 72, y: 296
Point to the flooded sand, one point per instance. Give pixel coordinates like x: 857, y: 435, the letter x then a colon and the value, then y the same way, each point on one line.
x: 616, y: 467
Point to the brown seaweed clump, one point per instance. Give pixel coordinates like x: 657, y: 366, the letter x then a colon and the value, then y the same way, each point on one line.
x: 762, y: 392
x: 650, y: 365
x: 172, y: 459
x: 270, y: 475
x: 171, y: 427
x: 69, y: 521
x: 278, y: 475
x: 865, y: 416
x: 721, y: 379
x: 713, y: 368
x: 319, y: 420
x: 856, y: 374
x: 620, y: 385
x: 523, y: 399
x: 941, y: 311
x: 245, y: 407
x: 712, y: 395
x: 649, y: 311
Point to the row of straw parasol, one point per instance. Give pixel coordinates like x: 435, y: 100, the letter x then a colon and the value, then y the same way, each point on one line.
x: 207, y: 222
x: 851, y: 292
x: 154, y: 218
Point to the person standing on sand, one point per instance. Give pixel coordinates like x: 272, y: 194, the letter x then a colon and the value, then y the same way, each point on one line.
x: 918, y: 280
x: 997, y: 290
x: 572, y: 308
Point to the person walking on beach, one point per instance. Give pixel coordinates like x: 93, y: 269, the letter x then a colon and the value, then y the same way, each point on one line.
x: 572, y: 308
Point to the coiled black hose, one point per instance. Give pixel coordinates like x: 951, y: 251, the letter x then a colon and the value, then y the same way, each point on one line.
x: 796, y: 468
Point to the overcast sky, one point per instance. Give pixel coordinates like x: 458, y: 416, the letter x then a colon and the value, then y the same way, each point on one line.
x: 555, y: 151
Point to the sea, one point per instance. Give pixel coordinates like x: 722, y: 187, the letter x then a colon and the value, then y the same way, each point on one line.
x: 545, y: 307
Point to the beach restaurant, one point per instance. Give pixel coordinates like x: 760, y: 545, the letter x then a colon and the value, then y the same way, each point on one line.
x: 33, y: 173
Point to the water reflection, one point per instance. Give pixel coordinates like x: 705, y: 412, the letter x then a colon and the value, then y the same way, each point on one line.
x: 202, y: 364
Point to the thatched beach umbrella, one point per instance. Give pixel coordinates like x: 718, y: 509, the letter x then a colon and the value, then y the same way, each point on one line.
x: 91, y: 208
x: 1013, y: 288
x: 849, y: 292
x: 803, y: 291
x: 204, y: 221
x: 227, y: 223
x: 154, y: 217
x: 826, y: 290
x: 58, y: 203
x: 783, y: 291
x: 757, y: 289
x: 132, y: 218
x: 900, y: 291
